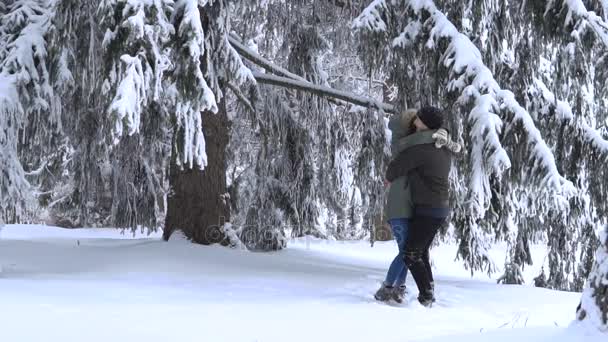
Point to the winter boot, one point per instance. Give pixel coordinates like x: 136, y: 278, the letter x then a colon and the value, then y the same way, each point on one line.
x: 426, y: 298
x: 399, y: 293
x: 384, y: 293
x: 427, y: 302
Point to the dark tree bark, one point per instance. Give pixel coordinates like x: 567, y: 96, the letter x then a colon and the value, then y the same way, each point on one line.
x: 197, y: 202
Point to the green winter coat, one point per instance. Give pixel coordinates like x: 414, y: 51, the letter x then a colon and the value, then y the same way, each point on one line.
x: 399, y: 200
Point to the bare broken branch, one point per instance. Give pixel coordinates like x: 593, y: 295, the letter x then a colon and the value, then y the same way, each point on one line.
x: 322, y: 91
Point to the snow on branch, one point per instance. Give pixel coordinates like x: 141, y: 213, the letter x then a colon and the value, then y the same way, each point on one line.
x: 136, y: 80
x: 291, y: 80
x: 24, y: 89
x: 191, y: 26
x: 371, y: 17
x: 320, y: 90
x: 472, y: 77
x: 130, y: 94
x: 14, y: 188
x: 28, y: 22
x: 581, y: 18
x: 237, y: 68
x: 564, y: 112
x: 173, y: 66
x: 261, y: 61
x: 191, y: 93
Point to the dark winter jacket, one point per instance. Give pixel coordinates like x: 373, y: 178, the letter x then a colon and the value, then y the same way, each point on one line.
x: 427, y: 168
x: 399, y: 203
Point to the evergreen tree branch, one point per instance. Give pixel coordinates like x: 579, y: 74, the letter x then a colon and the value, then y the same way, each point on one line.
x: 583, y: 17
x: 563, y: 109
x: 293, y: 81
x: 261, y: 61
x: 322, y: 91
x: 25, y: 90
x: 471, y: 76
x: 235, y: 90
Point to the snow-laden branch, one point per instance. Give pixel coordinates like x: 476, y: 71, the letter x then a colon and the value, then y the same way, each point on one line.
x: 371, y: 19
x: 134, y: 80
x: 25, y: 88
x: 14, y: 188
x: 127, y: 103
x: 470, y: 76
x: 26, y: 48
x: 238, y: 70
x: 322, y: 91
x: 293, y: 81
x: 580, y: 17
x: 173, y: 65
x: 261, y: 61
x: 564, y: 112
x: 473, y: 80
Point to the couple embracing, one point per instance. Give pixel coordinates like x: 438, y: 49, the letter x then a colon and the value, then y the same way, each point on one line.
x: 418, y: 198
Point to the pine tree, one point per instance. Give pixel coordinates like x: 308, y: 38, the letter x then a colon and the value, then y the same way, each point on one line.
x: 150, y: 68
x: 531, y: 156
x: 330, y: 195
x: 25, y: 94
x: 578, y: 38
x: 174, y: 58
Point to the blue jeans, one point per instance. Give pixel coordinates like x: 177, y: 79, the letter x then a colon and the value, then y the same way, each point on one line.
x: 397, y: 272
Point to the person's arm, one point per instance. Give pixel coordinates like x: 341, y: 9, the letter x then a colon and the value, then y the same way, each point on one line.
x: 405, y: 161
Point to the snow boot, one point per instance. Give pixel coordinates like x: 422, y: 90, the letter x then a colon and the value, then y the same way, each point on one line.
x: 426, y: 302
x: 399, y: 293
x: 426, y: 298
x: 384, y: 293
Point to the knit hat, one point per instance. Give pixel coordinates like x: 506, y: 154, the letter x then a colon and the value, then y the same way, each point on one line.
x: 431, y: 117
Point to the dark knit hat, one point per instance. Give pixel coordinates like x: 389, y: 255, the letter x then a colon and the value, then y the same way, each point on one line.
x: 432, y: 117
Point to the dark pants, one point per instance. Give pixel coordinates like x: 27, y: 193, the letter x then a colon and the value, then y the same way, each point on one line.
x: 421, y: 233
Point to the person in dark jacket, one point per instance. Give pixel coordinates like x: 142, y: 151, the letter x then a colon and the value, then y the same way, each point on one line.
x: 399, y: 208
x: 427, y: 169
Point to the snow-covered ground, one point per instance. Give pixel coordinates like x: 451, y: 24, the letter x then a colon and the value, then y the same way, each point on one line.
x: 98, y: 285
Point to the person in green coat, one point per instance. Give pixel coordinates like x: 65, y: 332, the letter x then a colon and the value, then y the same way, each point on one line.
x: 399, y: 206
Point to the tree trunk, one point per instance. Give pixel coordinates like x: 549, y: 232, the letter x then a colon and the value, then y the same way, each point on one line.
x: 197, y: 202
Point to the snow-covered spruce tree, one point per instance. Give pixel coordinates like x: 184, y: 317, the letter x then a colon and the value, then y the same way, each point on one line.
x: 276, y: 190
x: 62, y: 138
x: 517, y: 44
x: 518, y: 53
x: 175, y: 57
x: 511, y: 186
x: 332, y: 194
x: 145, y: 72
x: 573, y: 108
x: 136, y: 46
x: 44, y: 148
x: 594, y: 304
x: 25, y: 93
